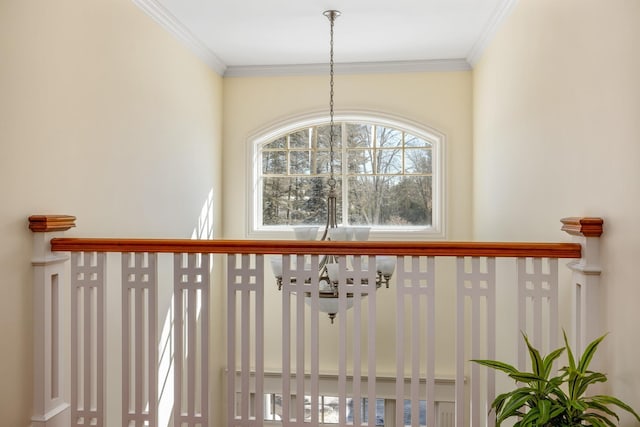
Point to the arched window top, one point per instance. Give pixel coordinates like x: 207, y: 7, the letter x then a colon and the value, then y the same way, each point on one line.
x: 388, y: 172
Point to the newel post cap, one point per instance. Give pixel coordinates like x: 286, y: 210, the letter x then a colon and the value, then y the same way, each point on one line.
x: 583, y: 226
x: 50, y: 223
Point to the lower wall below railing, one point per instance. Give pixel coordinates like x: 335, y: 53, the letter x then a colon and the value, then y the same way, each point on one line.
x: 328, y: 405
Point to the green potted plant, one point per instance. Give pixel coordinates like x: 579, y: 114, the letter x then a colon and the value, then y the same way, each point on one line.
x: 544, y: 400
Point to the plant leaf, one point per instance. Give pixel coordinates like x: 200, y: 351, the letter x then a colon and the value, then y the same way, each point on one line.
x: 578, y: 405
x: 572, y: 360
x: 544, y: 409
x: 556, y: 411
x: 610, y: 400
x: 588, y: 354
x: 512, y: 406
x: 526, y: 377
x: 495, y: 364
x: 532, y: 418
x: 586, y: 381
x: 547, y: 363
x: 600, y: 407
x: 536, y: 360
x: 597, y: 420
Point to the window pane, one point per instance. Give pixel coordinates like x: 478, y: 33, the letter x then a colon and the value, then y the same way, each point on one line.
x: 309, y: 408
x: 389, y: 161
x: 390, y: 200
x: 274, y: 162
x: 295, y: 200
x: 272, y: 407
x: 414, y: 141
x: 324, y: 133
x: 369, y: 199
x: 422, y: 413
x: 299, y: 139
x: 418, y: 161
x: 364, y: 411
x: 360, y: 161
x: 388, y: 138
x: 300, y: 163
x: 322, y: 163
x: 330, y: 409
x: 278, y: 143
x: 380, y: 412
x: 358, y: 135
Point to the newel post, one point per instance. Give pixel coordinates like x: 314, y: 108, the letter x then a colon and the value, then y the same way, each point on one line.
x: 51, y: 382
x: 587, y: 304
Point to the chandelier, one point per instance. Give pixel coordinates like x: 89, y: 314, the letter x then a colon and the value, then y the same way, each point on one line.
x: 329, y: 282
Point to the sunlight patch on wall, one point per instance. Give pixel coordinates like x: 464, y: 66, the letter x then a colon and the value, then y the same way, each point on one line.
x: 204, y: 228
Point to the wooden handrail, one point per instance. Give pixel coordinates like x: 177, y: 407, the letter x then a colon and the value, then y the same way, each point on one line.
x: 406, y: 248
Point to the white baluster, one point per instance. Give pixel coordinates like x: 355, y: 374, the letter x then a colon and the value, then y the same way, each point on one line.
x: 139, y: 339
x: 476, y: 283
x: 245, y: 281
x: 191, y: 299
x: 361, y: 284
x: 314, y: 294
x: 537, y: 294
x: 416, y: 284
x: 88, y: 279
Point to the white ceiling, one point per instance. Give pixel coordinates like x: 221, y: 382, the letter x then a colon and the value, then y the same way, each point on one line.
x: 237, y: 34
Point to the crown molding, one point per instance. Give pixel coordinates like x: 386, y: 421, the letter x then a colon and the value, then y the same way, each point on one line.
x: 502, y: 11
x: 349, y: 68
x: 168, y: 21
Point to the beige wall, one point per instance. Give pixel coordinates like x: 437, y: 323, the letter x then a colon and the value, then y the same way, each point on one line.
x: 439, y: 100
x: 556, y: 131
x: 105, y: 116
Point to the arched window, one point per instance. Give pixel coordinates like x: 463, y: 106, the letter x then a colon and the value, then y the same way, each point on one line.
x: 388, y: 173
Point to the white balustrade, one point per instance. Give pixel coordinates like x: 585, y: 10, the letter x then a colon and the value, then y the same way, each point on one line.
x: 425, y: 274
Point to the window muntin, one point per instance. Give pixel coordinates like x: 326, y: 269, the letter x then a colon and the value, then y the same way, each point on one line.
x: 392, y: 177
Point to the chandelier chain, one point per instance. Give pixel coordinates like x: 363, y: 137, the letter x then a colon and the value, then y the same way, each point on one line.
x: 331, y: 196
x: 332, y: 16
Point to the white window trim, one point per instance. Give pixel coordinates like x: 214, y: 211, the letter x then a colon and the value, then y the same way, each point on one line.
x: 436, y: 231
